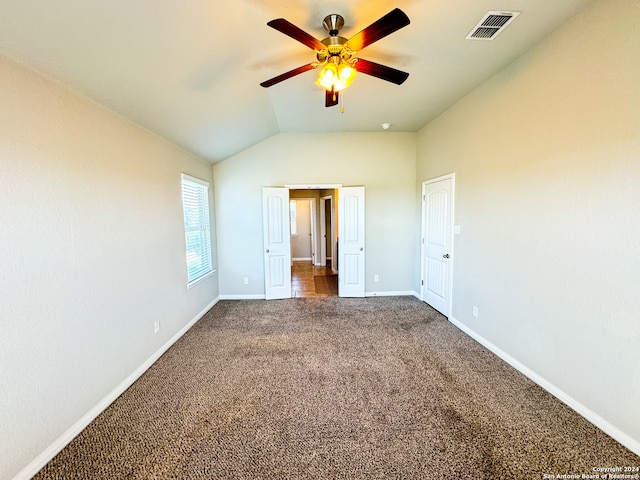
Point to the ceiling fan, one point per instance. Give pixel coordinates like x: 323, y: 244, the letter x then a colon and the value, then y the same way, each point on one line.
x: 337, y: 55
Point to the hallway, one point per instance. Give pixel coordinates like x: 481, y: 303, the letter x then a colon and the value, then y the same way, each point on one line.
x: 304, y: 285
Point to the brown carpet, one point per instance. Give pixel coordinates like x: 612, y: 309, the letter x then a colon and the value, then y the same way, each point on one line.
x: 379, y: 388
x: 326, y: 284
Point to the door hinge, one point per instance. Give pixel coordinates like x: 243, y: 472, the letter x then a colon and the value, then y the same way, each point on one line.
x: 421, y: 282
x: 424, y: 197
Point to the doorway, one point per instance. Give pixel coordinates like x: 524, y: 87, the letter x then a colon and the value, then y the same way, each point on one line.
x: 303, y: 237
x: 348, y: 213
x: 312, y: 220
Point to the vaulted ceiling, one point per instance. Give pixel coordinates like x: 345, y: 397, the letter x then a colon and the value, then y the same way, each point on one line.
x: 190, y: 70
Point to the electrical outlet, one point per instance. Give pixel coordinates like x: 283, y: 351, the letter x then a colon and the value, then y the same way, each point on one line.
x: 156, y: 326
x: 376, y: 278
x: 475, y: 311
x: 246, y: 280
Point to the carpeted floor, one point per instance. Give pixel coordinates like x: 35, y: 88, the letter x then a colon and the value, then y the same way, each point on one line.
x: 379, y: 388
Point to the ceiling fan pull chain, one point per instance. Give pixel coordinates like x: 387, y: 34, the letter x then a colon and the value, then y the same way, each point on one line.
x: 342, y: 102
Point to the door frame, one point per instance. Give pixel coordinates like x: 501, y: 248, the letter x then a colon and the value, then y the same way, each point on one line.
x: 323, y: 230
x: 423, y: 232
x: 321, y: 186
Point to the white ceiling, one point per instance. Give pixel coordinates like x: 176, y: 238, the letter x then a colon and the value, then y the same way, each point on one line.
x: 190, y: 70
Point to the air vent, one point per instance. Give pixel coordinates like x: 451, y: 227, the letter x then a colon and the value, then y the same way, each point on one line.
x: 491, y: 25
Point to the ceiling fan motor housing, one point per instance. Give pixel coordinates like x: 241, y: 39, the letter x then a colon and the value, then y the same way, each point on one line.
x: 334, y: 51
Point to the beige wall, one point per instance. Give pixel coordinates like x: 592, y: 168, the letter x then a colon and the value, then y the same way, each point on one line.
x: 383, y: 162
x: 91, y: 254
x: 301, y: 242
x: 546, y: 156
x: 547, y: 163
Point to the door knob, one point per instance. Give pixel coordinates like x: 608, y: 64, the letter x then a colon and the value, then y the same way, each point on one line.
x: 267, y: 250
x: 361, y: 248
x: 446, y: 255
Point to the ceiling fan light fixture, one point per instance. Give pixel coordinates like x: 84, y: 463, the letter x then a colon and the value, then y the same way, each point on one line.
x: 336, y: 77
x: 328, y: 76
x: 347, y: 73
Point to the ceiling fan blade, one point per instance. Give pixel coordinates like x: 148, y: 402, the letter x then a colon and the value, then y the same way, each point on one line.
x: 286, y: 75
x: 381, y: 71
x: 288, y: 28
x: 391, y: 22
x: 331, y: 98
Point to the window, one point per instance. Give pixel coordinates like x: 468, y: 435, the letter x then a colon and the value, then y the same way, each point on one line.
x: 197, y: 228
x: 294, y: 217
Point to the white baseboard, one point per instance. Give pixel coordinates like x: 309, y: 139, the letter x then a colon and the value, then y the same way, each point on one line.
x: 257, y: 296
x: 46, y: 456
x: 390, y: 294
x: 611, y: 430
x: 302, y: 259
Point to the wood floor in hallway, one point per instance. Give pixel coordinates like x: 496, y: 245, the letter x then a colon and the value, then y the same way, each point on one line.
x: 302, y: 282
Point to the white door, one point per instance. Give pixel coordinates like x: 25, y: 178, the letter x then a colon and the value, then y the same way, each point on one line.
x: 351, y: 242
x: 277, y: 246
x: 437, y: 222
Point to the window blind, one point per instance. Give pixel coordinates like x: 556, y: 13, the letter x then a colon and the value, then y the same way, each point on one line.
x: 197, y: 228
